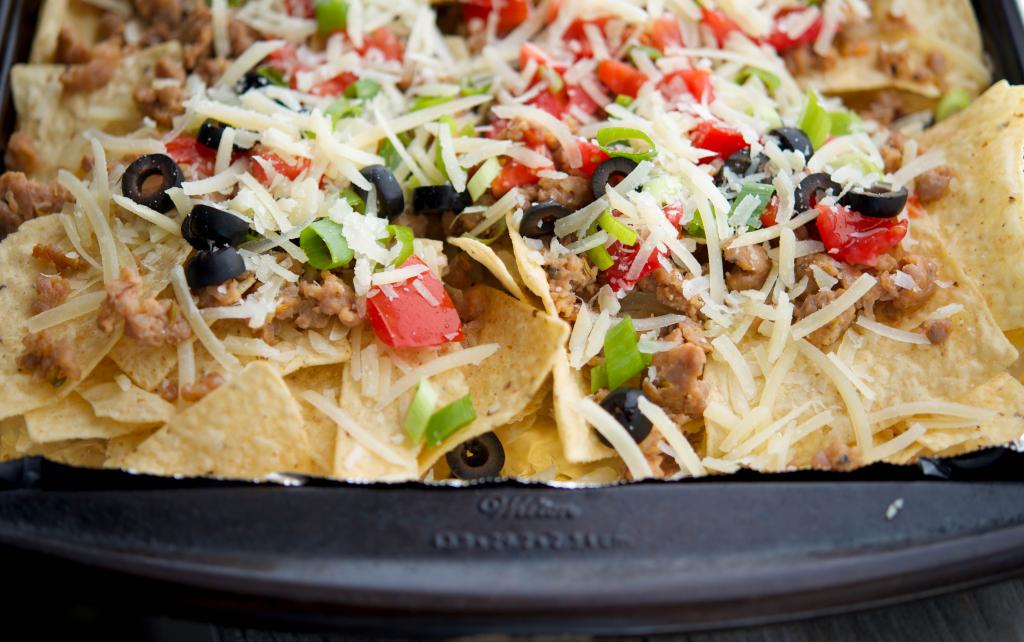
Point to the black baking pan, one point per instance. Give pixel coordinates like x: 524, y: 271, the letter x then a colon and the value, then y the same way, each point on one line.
x: 513, y: 557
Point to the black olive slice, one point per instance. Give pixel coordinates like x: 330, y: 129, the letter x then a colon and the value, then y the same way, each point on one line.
x: 438, y: 199
x: 539, y: 220
x: 477, y: 458
x: 813, y: 188
x: 213, y: 267
x: 792, y: 139
x: 208, y: 225
x: 252, y: 80
x: 135, y: 178
x: 881, y: 200
x: 623, y: 404
x: 741, y: 164
x: 390, y: 199
x: 210, y: 132
x: 606, y: 171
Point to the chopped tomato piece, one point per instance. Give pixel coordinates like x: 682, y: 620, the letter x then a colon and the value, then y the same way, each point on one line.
x: 592, y: 155
x: 280, y: 165
x: 581, y: 100
x: 852, y: 238
x: 769, y: 213
x: 386, y: 42
x: 185, y: 150
x: 665, y: 34
x: 513, y: 174
x: 695, y: 82
x: 511, y: 13
x: 409, y: 320
x: 782, y: 41
x: 620, y: 77
x: 335, y: 86
x: 623, y: 255
x: 719, y: 138
x: 720, y: 24
x: 530, y: 52
x: 554, y: 104
x: 674, y: 214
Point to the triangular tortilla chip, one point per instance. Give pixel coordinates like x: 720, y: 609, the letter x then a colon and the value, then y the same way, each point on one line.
x: 73, y: 418
x: 134, y: 405
x: 484, y: 255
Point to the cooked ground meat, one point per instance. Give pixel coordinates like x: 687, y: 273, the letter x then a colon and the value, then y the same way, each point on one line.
x: 49, y: 253
x: 70, y: 49
x: 51, y: 291
x: 161, y: 104
x: 471, y: 304
x: 837, y: 456
x: 241, y: 36
x: 667, y: 285
x: 150, y: 321
x: 898, y: 63
x: 573, y: 191
x: 802, y: 59
x: 678, y: 387
x: 751, y: 266
x: 464, y: 272
x: 933, y: 184
x: 111, y: 26
x: 22, y: 199
x: 892, y: 151
x: 827, y: 335
x: 228, y: 293
x: 885, y: 108
x: 21, y: 154
x: 48, y: 358
x: 691, y: 332
x: 319, y: 302
x: 168, y: 388
x: 570, y: 278
x: 160, y: 12
x: 937, y: 330
x: 196, y: 33
x: 94, y: 73
x: 418, y: 223
x: 892, y: 299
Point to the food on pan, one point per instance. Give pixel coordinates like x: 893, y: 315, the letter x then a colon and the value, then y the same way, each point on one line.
x: 581, y: 241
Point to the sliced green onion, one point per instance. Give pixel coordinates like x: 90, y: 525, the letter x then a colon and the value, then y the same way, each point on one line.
x: 815, y: 120
x: 273, y: 74
x: 599, y: 256
x: 770, y: 80
x: 844, y: 122
x: 363, y: 89
x: 403, y: 236
x: 331, y: 16
x: 325, y: 245
x: 475, y: 87
x: 354, y: 200
x: 420, y: 410
x: 622, y: 233
x: 388, y: 152
x: 598, y: 378
x: 623, y: 100
x: 482, y: 179
x: 954, y: 101
x: 763, y: 193
x: 553, y: 78
x: 606, y: 136
x: 423, y: 102
x: 446, y: 422
x: 343, y: 108
x: 695, y: 227
x: 651, y: 52
x: 622, y: 358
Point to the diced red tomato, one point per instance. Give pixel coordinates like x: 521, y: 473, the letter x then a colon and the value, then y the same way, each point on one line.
x: 592, y: 156
x: 335, y: 86
x: 185, y: 150
x: 769, y: 213
x: 300, y: 8
x: 719, y: 138
x: 530, y: 52
x: 554, y: 104
x: 409, y: 320
x: 511, y: 13
x: 623, y: 255
x: 665, y: 35
x: 695, y: 82
x: 280, y: 165
x: 852, y: 238
x: 513, y: 174
x: 781, y: 41
x: 386, y: 42
x: 581, y: 100
x: 620, y: 77
x: 720, y: 24
x: 674, y: 214
x: 553, y: 8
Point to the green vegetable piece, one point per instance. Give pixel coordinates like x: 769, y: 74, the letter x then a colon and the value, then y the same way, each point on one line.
x: 363, y: 89
x: 404, y: 237
x: 355, y: 200
x: 608, y: 136
x: 475, y: 86
x: 331, y: 16
x: 651, y: 52
x: 553, y: 78
x: 770, y: 80
x: 763, y: 193
x: 622, y: 358
x: 423, y: 102
x: 844, y: 122
x: 420, y: 410
x: 815, y: 120
x: 482, y: 179
x: 623, y: 100
x: 325, y: 245
x: 599, y: 256
x: 446, y: 422
x: 390, y: 155
x: 598, y: 378
x: 954, y: 101
x: 343, y: 108
x: 622, y: 233
x: 273, y: 74
x: 695, y: 227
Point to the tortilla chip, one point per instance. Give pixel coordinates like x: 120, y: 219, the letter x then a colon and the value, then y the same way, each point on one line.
x: 247, y: 428
x: 948, y: 28
x: 1005, y: 395
x: 484, y: 255
x: 580, y: 443
x: 984, y: 211
x: 73, y: 418
x: 82, y: 18
x: 133, y: 406
x: 503, y: 384
x: 321, y: 431
x: 21, y: 391
x: 530, y: 264
x: 85, y: 453
x: 56, y: 121
x: 118, y: 448
x: 146, y: 366
x: 12, y: 432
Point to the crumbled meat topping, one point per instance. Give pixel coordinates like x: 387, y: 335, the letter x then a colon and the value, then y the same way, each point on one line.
x: 678, y: 387
x: 751, y: 266
x: 839, y: 457
x: 667, y: 285
x: 22, y: 154
x: 51, y: 291
x: 936, y: 330
x: 314, y: 304
x: 65, y: 262
x: 48, y: 357
x: 22, y: 199
x: 149, y: 321
x: 825, y: 336
x: 571, y: 278
x: 95, y: 71
x: 933, y: 184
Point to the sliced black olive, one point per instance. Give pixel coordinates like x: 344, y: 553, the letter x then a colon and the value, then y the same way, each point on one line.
x: 741, y: 164
x: 623, y: 404
x: 539, y: 220
x: 252, y: 80
x: 813, y: 188
x: 213, y: 267
x: 881, y: 200
x: 210, y: 132
x: 792, y: 139
x: 477, y: 458
x: 136, y: 184
x: 606, y: 171
x: 207, y: 226
x: 390, y: 199
x: 438, y: 199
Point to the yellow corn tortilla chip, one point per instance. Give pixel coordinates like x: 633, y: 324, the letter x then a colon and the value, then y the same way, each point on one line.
x: 504, y: 383
x: 1005, y: 395
x: 56, y: 121
x: 321, y: 431
x: 85, y: 453
x: 247, y: 428
x: 530, y: 264
x: 484, y: 255
x: 133, y: 406
x: 118, y: 448
x: 12, y: 432
x: 984, y: 211
x: 82, y: 18
x: 948, y: 29
x: 73, y: 418
x: 21, y: 391
x: 146, y: 366
x: 580, y: 443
